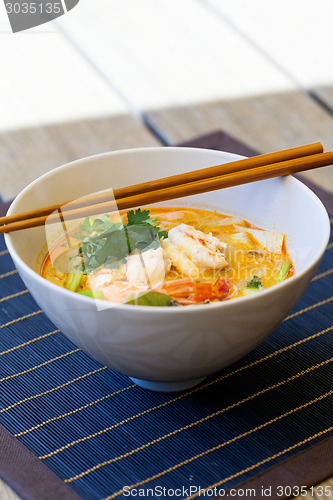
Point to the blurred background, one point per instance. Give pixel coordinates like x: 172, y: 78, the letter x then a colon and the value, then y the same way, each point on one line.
x: 115, y: 74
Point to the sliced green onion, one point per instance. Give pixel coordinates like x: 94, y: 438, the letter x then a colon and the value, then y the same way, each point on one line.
x: 95, y: 294
x: 282, y: 271
x: 148, y: 299
x: 254, y: 283
x: 73, y: 281
x: 249, y: 290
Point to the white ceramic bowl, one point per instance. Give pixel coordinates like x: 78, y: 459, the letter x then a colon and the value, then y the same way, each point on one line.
x: 160, y: 348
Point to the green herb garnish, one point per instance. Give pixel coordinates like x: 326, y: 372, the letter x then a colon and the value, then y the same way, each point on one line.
x: 282, y: 271
x: 95, y: 294
x: 142, y: 218
x: 73, y: 280
x: 148, y: 299
x: 107, y: 243
x: 254, y: 283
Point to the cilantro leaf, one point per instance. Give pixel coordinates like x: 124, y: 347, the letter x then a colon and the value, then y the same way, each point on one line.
x: 107, y: 230
x: 115, y: 247
x: 78, y: 236
x: 254, y: 283
x: 138, y: 216
x: 142, y: 238
x: 106, y: 243
x: 142, y: 218
x: 86, y: 226
x: 162, y: 234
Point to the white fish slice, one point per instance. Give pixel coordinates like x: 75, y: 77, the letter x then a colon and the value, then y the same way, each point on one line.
x: 271, y: 240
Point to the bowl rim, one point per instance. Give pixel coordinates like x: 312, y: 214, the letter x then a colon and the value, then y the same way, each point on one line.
x: 158, y: 310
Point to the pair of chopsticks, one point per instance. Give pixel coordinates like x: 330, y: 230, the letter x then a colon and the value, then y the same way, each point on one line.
x: 239, y: 172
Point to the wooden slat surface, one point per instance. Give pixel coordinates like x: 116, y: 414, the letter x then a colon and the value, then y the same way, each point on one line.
x: 28, y: 153
x: 45, y: 80
x: 319, y: 492
x: 265, y: 123
x: 296, y: 36
x: 325, y: 94
x: 166, y: 52
x: 7, y: 493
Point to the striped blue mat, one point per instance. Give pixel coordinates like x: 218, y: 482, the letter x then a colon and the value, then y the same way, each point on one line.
x: 100, y: 433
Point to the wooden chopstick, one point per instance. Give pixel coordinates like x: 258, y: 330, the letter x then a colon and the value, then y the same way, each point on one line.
x: 175, y: 180
x: 188, y: 189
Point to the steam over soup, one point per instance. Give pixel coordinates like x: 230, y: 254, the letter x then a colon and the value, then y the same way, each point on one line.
x: 168, y: 256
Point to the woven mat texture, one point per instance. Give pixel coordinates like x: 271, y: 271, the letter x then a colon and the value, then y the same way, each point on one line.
x: 99, y: 432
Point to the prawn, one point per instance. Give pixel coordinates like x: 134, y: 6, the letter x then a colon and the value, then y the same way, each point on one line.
x: 191, y: 250
x: 186, y: 291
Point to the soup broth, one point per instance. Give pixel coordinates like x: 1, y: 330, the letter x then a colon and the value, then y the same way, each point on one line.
x: 168, y: 256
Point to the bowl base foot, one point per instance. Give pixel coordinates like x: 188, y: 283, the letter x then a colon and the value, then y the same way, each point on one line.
x: 167, y: 386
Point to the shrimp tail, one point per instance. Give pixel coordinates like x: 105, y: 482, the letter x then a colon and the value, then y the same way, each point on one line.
x: 186, y: 291
x: 221, y: 289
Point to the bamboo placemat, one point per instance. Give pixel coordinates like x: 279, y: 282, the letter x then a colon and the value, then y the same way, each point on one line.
x: 98, y: 432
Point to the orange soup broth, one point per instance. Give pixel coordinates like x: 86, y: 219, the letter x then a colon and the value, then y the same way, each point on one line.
x: 245, y: 258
